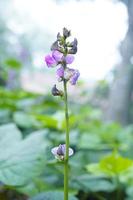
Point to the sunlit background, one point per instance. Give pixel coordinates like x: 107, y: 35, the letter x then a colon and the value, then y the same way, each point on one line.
x: 99, y: 25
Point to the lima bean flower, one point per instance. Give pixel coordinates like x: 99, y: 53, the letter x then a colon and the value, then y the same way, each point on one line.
x: 59, y: 151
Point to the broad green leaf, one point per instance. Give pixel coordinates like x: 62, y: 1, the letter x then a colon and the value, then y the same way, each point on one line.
x: 94, y: 168
x: 25, y: 120
x: 89, y: 141
x: 20, y: 160
x: 34, y: 187
x: 4, y: 116
x: 47, y: 121
x: 115, y: 164
x: 94, y: 184
x: 52, y: 195
x: 13, y: 63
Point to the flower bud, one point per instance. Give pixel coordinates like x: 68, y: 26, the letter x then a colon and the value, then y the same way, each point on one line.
x: 73, y: 50
x: 74, y: 43
x: 73, y: 46
x: 66, y: 33
x: 54, y: 46
x: 56, y: 92
x: 58, y: 36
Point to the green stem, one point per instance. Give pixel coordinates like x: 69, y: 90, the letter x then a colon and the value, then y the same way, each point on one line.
x: 67, y: 143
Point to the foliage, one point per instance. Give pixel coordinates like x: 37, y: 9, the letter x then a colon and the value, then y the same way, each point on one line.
x: 20, y: 156
x: 33, y: 126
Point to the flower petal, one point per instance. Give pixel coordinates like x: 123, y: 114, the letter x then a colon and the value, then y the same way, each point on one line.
x: 50, y: 61
x: 58, y: 56
x: 54, y: 151
x: 74, y: 78
x: 71, y: 151
x: 69, y: 59
x: 68, y: 73
x: 60, y: 72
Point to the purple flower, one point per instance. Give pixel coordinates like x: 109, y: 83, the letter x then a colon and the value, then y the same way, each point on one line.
x: 69, y: 59
x: 68, y: 73
x: 59, y: 152
x: 58, y: 56
x: 74, y: 77
x: 50, y: 61
x: 60, y: 72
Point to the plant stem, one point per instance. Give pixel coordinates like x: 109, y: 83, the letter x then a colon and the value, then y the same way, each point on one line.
x: 67, y: 143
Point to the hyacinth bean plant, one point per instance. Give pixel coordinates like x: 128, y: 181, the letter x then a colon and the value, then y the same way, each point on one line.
x: 61, y: 56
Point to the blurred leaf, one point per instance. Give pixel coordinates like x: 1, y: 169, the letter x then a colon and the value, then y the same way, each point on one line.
x: 53, y: 195
x: 25, y: 120
x: 34, y: 187
x: 47, y: 120
x: 89, y: 141
x: 4, y: 115
x: 113, y: 164
x: 20, y: 160
x: 94, y: 184
x: 13, y: 63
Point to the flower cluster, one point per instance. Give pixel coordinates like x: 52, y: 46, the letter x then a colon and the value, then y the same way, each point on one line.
x: 59, y: 152
x: 62, y: 55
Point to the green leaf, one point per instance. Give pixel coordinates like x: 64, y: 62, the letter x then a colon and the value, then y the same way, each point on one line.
x: 94, y: 184
x: 52, y: 195
x: 94, y: 168
x: 115, y: 164
x: 47, y: 121
x: 25, y: 120
x: 34, y: 187
x: 20, y: 160
x: 13, y: 63
x: 89, y: 141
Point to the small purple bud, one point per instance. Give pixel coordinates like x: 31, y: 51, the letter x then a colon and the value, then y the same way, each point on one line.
x: 69, y: 59
x: 73, y: 46
x: 50, y: 61
x: 58, y: 36
x: 74, y: 43
x: 56, y: 92
x: 59, y: 152
x: 58, y: 56
x: 73, y: 50
x: 66, y: 33
x: 74, y: 78
x: 60, y: 72
x: 55, y: 46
